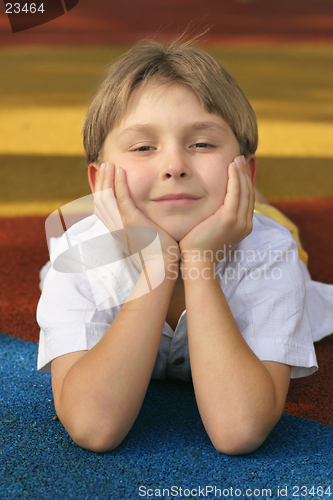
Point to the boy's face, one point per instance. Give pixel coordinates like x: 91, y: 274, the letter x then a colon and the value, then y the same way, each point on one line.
x: 168, y: 144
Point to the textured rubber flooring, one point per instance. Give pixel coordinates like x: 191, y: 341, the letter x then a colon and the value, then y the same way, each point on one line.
x: 167, y: 447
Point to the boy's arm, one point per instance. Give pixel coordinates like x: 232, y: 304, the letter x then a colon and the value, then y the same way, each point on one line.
x: 98, y: 393
x: 240, y: 398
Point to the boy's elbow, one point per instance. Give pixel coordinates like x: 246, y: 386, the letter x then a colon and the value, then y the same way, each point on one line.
x: 96, y: 445
x: 237, y: 446
x: 94, y: 437
x: 245, y: 433
x: 96, y: 441
x: 239, y: 441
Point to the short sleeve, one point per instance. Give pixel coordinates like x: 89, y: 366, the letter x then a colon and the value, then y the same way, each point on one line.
x: 68, y: 317
x: 76, y: 308
x: 264, y: 285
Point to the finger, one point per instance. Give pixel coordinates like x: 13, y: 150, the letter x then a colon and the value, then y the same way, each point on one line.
x: 246, y: 196
x: 244, y: 189
x: 231, y: 201
x: 99, y: 177
x: 107, y: 177
x: 252, y: 197
x: 248, y: 178
x: 106, y: 207
x: 102, y: 183
x: 126, y: 205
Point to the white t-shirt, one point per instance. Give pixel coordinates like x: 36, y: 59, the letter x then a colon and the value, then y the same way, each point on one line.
x: 277, y: 307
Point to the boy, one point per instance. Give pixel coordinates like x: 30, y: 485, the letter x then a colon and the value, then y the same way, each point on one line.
x: 172, y: 138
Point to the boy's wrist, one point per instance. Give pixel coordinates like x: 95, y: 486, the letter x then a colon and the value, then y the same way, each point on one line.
x: 193, y: 269
x: 161, y: 269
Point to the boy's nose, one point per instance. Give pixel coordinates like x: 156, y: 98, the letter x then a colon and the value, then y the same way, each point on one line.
x: 174, y: 165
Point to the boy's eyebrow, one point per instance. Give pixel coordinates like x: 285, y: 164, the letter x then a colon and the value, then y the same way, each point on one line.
x: 147, y: 128
x: 140, y: 127
x: 208, y: 125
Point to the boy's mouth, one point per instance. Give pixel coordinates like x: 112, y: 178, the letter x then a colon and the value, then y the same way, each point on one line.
x: 179, y: 196
x: 176, y: 199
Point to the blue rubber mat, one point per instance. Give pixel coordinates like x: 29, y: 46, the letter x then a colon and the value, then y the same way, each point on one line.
x: 166, y: 455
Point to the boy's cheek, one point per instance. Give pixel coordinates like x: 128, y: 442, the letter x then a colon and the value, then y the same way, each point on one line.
x: 220, y: 188
x: 221, y: 197
x: 138, y: 185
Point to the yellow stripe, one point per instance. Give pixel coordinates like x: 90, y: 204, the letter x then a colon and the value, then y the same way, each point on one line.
x: 295, y: 139
x: 47, y: 131
x: 57, y: 131
x: 22, y: 209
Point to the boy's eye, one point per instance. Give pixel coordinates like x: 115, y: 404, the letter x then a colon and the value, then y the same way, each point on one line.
x: 143, y: 148
x: 202, y: 145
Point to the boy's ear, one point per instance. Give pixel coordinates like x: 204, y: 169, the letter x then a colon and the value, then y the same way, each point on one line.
x: 251, y: 161
x: 92, y: 170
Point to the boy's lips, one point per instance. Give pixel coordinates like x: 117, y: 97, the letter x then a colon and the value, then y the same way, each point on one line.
x: 176, y: 199
x: 179, y: 196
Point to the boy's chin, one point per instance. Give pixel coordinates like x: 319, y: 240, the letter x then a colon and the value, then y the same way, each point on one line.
x: 177, y: 234
x: 177, y: 230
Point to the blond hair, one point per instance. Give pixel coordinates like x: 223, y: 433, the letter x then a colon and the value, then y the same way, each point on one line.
x: 182, y: 63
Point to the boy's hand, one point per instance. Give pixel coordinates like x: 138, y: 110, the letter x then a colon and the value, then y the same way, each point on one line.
x: 116, y: 209
x: 231, y: 223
